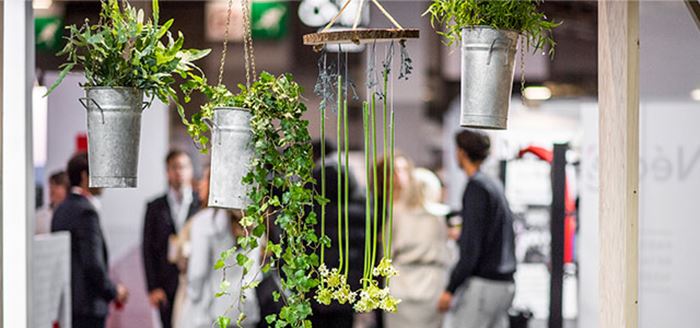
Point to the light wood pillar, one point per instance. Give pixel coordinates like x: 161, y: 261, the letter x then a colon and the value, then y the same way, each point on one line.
x: 17, y: 167
x: 618, y: 97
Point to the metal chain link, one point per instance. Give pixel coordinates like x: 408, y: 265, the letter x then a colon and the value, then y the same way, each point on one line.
x: 223, y: 50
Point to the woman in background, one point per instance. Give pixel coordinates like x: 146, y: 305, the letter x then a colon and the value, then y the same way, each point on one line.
x: 419, y: 246
x: 181, y: 254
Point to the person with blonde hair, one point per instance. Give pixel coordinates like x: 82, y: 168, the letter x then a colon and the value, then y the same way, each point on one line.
x: 419, y: 247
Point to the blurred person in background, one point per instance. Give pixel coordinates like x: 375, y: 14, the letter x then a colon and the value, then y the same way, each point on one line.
x: 419, y: 247
x: 481, y: 288
x: 59, y: 187
x: 91, y: 288
x: 165, y: 217
x: 214, y: 231
x: 182, y: 255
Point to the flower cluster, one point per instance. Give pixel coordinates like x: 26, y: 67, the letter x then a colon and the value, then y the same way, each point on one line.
x: 372, y: 297
x: 334, y: 286
x: 384, y: 269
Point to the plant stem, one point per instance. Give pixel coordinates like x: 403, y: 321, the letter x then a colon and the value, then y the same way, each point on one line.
x: 392, y: 132
x: 368, y: 236
x: 340, y: 168
x: 375, y: 195
x: 384, y: 167
x: 323, y: 179
x: 347, y: 188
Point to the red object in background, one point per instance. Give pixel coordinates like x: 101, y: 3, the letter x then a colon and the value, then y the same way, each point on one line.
x: 569, y: 204
x: 56, y: 325
x: 81, y: 144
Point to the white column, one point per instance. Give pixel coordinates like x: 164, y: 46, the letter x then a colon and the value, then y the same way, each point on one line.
x: 17, y: 164
x: 618, y: 96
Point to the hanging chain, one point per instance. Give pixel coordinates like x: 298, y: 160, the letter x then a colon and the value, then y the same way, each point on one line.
x: 249, y: 54
x: 223, y: 50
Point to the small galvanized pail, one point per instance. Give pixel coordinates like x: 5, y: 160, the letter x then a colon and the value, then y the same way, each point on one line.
x: 231, y: 153
x: 488, y: 57
x: 114, y: 130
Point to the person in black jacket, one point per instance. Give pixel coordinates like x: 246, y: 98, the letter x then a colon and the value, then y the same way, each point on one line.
x: 91, y: 288
x: 483, y: 276
x: 165, y: 216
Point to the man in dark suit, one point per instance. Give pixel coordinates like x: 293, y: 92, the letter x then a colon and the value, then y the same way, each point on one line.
x: 91, y: 288
x: 165, y: 216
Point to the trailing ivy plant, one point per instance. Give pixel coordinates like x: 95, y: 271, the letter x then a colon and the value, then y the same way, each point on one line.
x: 125, y: 50
x: 282, y: 194
x: 521, y: 16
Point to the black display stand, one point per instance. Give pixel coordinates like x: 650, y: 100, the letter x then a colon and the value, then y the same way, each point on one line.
x: 558, y: 214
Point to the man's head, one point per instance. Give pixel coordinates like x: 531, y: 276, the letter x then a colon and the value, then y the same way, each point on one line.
x: 179, y: 168
x: 58, y: 188
x: 472, y: 149
x: 79, y: 173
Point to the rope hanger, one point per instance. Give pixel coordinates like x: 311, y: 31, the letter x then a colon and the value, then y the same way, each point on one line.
x: 249, y: 54
x: 359, y: 11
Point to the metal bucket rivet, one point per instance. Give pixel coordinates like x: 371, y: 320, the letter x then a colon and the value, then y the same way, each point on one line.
x: 231, y: 154
x: 114, y: 130
x: 488, y: 60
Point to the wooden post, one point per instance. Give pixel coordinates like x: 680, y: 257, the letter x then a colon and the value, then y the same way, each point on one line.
x: 17, y: 169
x: 618, y: 97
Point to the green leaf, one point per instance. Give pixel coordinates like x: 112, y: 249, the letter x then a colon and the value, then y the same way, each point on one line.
x: 223, y: 321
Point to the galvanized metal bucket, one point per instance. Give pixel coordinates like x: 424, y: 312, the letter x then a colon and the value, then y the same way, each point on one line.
x: 114, y: 130
x: 488, y: 57
x: 231, y: 153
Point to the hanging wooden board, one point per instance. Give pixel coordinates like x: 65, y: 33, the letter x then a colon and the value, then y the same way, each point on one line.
x: 358, y: 36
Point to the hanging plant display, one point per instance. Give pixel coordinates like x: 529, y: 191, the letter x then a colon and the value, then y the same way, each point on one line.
x: 334, y: 86
x: 124, y: 56
x: 262, y: 163
x: 488, y: 33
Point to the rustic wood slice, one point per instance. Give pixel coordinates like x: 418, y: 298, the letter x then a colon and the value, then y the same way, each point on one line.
x: 358, y: 36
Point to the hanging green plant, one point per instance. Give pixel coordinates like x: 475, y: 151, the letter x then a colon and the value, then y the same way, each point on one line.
x: 488, y: 34
x: 125, y: 50
x: 281, y: 194
x: 123, y: 56
x: 522, y: 16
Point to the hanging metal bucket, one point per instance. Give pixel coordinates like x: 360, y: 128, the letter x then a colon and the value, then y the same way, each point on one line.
x: 488, y: 57
x: 114, y: 130
x: 231, y: 153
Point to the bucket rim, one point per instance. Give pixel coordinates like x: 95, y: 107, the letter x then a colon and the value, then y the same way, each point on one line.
x: 86, y: 88
x: 243, y: 109
x: 492, y: 28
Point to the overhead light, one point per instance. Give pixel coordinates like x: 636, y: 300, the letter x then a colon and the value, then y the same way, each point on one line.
x: 42, y: 4
x: 695, y: 94
x: 537, y: 93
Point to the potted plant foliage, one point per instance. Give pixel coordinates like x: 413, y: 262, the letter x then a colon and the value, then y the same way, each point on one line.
x: 274, y: 146
x: 225, y: 115
x: 488, y: 32
x: 124, y: 57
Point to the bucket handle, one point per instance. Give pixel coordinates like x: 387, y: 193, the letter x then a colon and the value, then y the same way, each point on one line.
x: 212, y: 126
x: 493, y: 44
x: 83, y: 100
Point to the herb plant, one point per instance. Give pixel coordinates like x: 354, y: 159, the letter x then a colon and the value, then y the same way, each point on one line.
x: 124, y: 50
x: 281, y: 179
x: 521, y: 16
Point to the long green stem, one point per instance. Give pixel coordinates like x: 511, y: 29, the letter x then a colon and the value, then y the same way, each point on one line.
x: 384, y: 167
x: 347, y: 188
x: 373, y: 116
x: 391, y: 183
x: 339, y: 166
x: 323, y: 179
x: 365, y: 125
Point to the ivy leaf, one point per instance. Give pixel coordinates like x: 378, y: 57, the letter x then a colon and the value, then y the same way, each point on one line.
x: 223, y: 321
